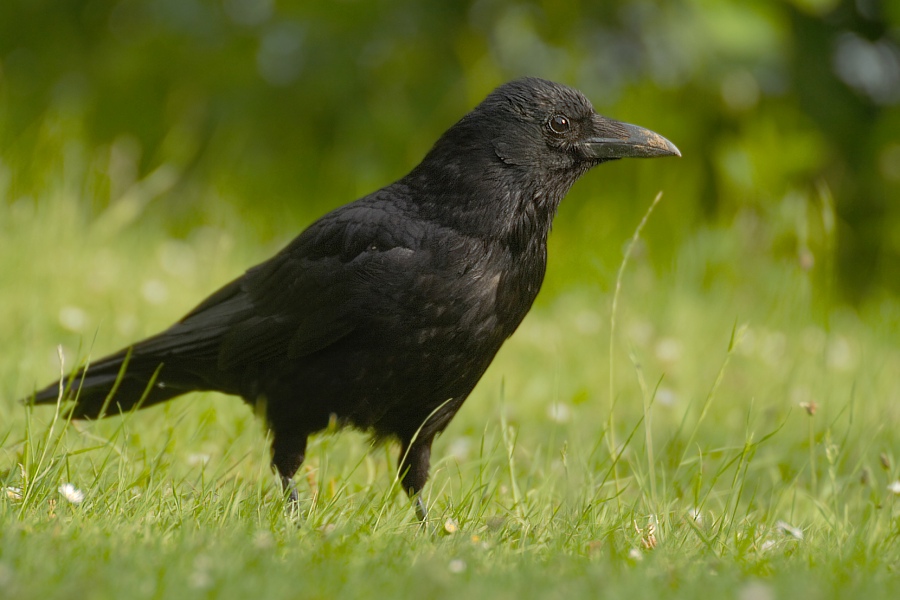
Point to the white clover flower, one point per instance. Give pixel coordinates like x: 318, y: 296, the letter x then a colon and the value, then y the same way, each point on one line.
x: 71, y: 493
x: 894, y: 487
x: 451, y: 526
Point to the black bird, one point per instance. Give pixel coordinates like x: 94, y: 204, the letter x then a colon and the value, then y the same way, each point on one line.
x: 385, y: 313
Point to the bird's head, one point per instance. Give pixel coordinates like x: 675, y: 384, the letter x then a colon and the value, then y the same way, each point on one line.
x: 536, y: 130
x: 525, y: 145
x: 547, y: 126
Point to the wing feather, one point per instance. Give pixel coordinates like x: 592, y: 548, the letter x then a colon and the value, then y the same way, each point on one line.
x: 305, y: 298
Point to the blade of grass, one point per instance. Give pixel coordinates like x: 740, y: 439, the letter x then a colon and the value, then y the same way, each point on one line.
x: 610, y: 425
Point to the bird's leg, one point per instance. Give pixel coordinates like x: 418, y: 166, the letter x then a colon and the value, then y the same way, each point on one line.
x: 415, y: 459
x: 288, y: 452
x: 288, y: 486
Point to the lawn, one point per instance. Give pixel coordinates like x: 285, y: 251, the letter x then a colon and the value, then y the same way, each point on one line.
x: 736, y: 438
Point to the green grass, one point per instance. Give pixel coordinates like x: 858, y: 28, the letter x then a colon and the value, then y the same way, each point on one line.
x: 714, y: 481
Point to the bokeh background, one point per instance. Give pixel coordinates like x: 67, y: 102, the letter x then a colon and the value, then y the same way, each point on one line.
x: 743, y: 396
x: 184, y: 111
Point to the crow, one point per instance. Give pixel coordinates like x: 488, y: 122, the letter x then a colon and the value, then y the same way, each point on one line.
x: 384, y: 313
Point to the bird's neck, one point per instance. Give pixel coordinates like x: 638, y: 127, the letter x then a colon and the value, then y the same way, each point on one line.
x: 499, y: 204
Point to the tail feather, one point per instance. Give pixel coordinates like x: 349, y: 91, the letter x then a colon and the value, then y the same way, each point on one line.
x: 114, y: 385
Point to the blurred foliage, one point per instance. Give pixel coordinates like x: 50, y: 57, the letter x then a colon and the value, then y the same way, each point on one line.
x: 787, y: 113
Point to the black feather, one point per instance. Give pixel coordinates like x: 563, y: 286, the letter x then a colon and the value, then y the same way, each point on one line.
x: 387, y: 311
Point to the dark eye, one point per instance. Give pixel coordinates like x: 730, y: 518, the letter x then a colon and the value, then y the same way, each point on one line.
x: 559, y: 124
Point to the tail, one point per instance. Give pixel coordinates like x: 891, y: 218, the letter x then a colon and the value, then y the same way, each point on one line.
x: 116, y: 384
x: 183, y: 358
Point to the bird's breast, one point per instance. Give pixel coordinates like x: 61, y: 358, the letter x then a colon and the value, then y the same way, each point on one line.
x: 479, y: 303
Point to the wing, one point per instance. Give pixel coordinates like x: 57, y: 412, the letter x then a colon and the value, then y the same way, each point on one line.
x: 308, y: 296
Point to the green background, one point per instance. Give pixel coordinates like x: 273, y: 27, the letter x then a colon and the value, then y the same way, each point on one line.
x: 283, y: 110
x: 728, y: 430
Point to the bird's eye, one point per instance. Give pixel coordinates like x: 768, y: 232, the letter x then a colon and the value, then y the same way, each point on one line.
x: 559, y: 124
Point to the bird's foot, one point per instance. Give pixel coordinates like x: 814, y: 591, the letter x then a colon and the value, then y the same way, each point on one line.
x: 292, y: 498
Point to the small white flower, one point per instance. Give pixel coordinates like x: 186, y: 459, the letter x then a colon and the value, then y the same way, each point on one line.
x: 155, y: 291
x: 840, y: 354
x: 668, y: 350
x: 559, y: 412
x: 197, y: 459
x: 460, y: 448
x: 73, y: 318
x: 894, y: 487
x: 263, y: 540
x: 71, y: 493
x: 635, y: 554
x: 200, y: 580
x: 666, y: 396
x: 696, y: 515
x: 457, y: 565
x: 14, y: 493
x: 451, y: 526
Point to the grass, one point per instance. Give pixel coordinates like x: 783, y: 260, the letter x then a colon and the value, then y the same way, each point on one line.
x: 734, y: 436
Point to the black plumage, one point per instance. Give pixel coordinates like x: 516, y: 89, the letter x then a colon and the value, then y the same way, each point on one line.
x: 385, y: 313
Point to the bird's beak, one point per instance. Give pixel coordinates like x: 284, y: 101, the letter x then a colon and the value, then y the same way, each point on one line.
x: 614, y: 139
